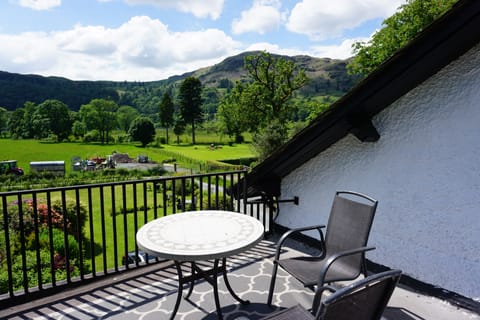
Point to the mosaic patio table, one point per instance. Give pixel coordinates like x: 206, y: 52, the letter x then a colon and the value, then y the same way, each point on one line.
x: 199, y: 236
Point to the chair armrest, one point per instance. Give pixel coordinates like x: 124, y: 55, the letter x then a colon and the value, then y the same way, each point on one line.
x: 287, y: 234
x: 326, y: 266
x: 318, y: 297
x: 333, y: 258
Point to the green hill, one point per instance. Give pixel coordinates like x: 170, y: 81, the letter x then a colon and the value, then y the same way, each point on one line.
x: 16, y: 89
x: 328, y: 77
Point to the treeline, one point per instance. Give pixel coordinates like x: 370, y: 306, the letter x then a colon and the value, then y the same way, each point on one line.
x: 16, y: 89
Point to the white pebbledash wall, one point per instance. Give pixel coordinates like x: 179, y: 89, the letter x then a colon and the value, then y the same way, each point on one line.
x: 425, y: 172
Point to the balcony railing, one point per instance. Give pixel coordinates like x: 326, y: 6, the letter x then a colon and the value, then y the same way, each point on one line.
x: 55, y: 238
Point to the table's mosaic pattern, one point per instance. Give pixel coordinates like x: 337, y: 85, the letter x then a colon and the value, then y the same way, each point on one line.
x: 200, y: 235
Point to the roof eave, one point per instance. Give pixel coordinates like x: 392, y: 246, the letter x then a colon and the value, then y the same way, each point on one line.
x: 446, y: 39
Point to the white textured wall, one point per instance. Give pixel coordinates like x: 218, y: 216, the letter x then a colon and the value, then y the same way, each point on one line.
x: 425, y: 172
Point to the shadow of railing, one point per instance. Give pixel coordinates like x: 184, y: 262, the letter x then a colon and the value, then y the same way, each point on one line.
x: 151, y: 292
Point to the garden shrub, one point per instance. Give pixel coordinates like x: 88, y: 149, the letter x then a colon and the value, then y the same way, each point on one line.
x: 223, y: 204
x: 72, y: 218
x: 156, y: 171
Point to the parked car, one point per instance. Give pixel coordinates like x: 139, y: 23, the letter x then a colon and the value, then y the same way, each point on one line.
x: 141, y: 257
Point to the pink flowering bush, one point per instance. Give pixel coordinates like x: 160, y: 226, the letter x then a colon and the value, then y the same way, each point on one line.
x: 42, y: 227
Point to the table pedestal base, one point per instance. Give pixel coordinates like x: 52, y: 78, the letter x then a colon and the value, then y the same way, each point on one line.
x: 210, y: 276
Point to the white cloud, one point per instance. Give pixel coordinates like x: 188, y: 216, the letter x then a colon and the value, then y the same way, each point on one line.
x: 94, y: 40
x: 321, y: 19
x: 263, y: 16
x: 340, y: 51
x: 141, y: 49
x: 25, y: 51
x: 274, y: 48
x: 200, y: 9
x: 40, y: 4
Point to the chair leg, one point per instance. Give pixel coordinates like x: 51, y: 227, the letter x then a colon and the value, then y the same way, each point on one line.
x: 272, y: 283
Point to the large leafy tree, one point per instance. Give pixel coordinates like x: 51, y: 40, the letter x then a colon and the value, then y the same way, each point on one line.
x: 30, y: 129
x: 142, y: 129
x: 262, y: 106
x: 274, y: 82
x: 16, y: 123
x: 52, y: 117
x: 190, y: 100
x: 167, y: 111
x: 397, y: 31
x: 125, y: 117
x: 232, y: 121
x: 100, y: 114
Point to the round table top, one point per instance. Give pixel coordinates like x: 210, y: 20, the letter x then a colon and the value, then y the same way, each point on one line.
x: 200, y: 235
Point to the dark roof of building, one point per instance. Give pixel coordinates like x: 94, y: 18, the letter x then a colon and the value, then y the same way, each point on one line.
x: 436, y: 46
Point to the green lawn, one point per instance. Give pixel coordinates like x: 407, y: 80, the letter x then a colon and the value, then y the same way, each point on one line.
x: 218, y: 152
x: 25, y: 151
x: 103, y: 234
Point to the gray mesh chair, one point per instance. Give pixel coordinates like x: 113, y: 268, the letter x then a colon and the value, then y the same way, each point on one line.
x: 365, y: 299
x: 343, y: 248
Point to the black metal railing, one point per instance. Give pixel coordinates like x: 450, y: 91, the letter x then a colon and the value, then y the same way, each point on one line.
x: 54, y: 238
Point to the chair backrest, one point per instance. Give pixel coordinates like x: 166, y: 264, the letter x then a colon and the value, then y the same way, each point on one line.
x: 365, y: 299
x: 349, y: 225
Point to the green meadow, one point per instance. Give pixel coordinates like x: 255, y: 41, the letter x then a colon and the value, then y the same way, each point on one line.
x: 25, y: 151
x: 105, y: 203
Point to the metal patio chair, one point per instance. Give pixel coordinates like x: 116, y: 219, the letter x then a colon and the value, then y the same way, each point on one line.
x: 365, y: 299
x: 343, y: 248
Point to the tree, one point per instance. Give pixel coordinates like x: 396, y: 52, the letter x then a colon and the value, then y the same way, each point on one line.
x: 142, y: 129
x: 167, y: 110
x: 269, y: 138
x: 179, y: 129
x: 125, y: 117
x: 232, y: 121
x: 274, y: 82
x: 79, y: 129
x: 16, y: 122
x: 264, y: 101
x: 190, y: 96
x: 99, y: 114
x: 3, y: 120
x: 30, y: 130
x: 397, y: 31
x: 52, y: 117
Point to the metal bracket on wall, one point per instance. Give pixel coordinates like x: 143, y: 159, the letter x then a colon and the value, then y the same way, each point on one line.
x: 269, y: 200
x: 295, y: 200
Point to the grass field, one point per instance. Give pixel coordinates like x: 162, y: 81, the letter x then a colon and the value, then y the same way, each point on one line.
x: 25, y: 151
x: 105, y: 236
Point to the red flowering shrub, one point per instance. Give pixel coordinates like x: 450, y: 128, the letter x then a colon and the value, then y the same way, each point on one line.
x: 36, y: 226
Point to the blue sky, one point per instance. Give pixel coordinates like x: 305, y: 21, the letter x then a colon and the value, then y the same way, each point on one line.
x: 144, y: 40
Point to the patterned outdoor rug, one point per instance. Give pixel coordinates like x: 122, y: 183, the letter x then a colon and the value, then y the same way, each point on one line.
x: 153, y: 295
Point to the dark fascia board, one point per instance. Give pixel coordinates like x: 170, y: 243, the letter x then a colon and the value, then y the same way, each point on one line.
x: 443, y: 41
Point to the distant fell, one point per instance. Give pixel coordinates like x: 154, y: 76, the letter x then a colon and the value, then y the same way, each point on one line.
x: 327, y: 77
x: 16, y: 89
x: 323, y: 72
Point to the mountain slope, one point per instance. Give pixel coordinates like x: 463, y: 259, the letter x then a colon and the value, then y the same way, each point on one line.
x: 16, y: 89
x: 327, y: 77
